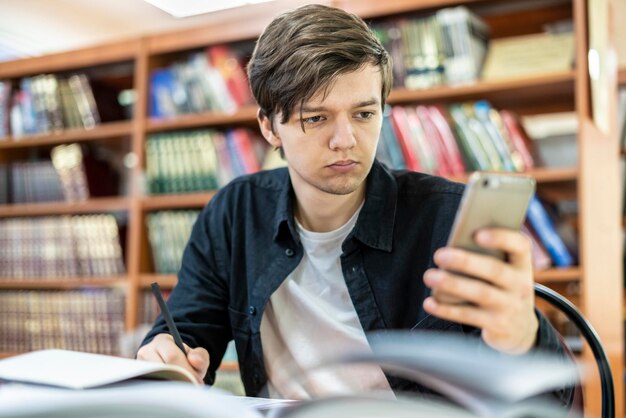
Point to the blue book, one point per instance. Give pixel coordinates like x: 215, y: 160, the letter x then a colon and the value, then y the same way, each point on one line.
x: 547, y: 234
x: 390, y: 142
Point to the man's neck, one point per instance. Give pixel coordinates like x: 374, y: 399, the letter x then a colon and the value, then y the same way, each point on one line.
x: 324, y: 212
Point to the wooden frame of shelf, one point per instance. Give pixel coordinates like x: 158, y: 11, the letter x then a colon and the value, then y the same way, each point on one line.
x: 621, y: 76
x: 65, y: 283
x: 553, y: 83
x: 176, y: 201
x: 94, y: 205
x: 102, y: 131
x: 244, y: 115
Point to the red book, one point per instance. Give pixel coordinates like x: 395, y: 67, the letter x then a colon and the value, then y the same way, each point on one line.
x: 440, y: 122
x: 518, y: 139
x: 222, y: 58
x: 401, y: 128
x: 432, y: 136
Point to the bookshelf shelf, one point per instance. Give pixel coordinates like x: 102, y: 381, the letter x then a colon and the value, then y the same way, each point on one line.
x: 556, y: 275
x: 95, y: 205
x: 103, y: 131
x: 176, y: 201
x: 245, y: 115
x: 541, y: 175
x: 64, y: 283
x: 229, y: 366
x: 88, y: 57
x: 166, y: 281
x: 553, y: 84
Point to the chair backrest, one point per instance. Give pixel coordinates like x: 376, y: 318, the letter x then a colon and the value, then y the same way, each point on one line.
x: 592, y: 338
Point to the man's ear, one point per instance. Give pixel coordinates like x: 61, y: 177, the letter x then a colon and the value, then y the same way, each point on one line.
x: 265, y: 123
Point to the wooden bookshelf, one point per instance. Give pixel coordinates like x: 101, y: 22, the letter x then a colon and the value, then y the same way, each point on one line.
x: 68, y: 283
x: 246, y: 115
x: 103, y: 131
x: 559, y: 84
x: 115, y: 52
x: 594, y: 181
x: 176, y: 201
x: 166, y: 281
x: 541, y: 175
x: 94, y: 205
x: 556, y: 275
x: 621, y: 77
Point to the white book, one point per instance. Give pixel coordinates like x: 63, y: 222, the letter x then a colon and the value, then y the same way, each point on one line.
x: 78, y: 370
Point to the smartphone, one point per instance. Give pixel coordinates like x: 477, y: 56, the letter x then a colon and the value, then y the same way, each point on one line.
x: 489, y: 200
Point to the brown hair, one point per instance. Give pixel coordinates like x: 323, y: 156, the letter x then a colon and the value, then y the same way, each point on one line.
x: 303, y: 51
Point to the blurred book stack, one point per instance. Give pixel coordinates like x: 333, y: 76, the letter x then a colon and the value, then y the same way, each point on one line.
x: 84, y: 320
x: 50, y: 248
x: 447, y: 47
x: 200, y: 160
x: 168, y: 233
x: 453, y: 140
x: 211, y: 80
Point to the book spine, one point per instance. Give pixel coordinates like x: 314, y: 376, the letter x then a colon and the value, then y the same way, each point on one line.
x: 543, y: 226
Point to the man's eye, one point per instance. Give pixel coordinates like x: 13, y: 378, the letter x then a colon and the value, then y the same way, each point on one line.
x: 365, y: 115
x: 312, y: 119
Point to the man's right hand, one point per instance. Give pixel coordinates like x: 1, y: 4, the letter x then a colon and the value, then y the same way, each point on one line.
x: 162, y: 349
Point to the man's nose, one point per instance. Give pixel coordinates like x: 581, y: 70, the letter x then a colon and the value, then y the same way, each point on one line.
x: 343, y: 135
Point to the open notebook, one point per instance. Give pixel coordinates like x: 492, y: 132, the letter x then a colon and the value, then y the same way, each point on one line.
x: 78, y: 370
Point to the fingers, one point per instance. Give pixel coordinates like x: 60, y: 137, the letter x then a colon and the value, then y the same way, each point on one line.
x: 465, y: 289
x: 162, y: 349
x: 514, y: 243
x: 475, y: 265
x: 198, y: 359
x: 503, y: 274
x: 464, y: 314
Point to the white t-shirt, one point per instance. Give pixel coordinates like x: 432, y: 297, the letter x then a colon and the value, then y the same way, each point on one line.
x: 311, y: 317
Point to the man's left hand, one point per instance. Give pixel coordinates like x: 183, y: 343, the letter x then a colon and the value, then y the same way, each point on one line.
x: 501, y: 304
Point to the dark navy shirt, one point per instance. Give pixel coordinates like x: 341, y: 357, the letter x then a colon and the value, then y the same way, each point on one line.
x: 244, y: 245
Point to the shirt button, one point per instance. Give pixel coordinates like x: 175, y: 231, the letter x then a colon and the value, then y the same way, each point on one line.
x: 289, y: 252
x: 252, y: 310
x: 353, y: 269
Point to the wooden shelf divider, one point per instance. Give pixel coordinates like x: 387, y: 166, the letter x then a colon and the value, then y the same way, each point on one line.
x: 176, y: 201
x: 166, y: 281
x: 95, y: 205
x: 66, y: 283
x: 103, y: 131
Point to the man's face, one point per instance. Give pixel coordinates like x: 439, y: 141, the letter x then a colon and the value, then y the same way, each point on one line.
x: 336, y: 151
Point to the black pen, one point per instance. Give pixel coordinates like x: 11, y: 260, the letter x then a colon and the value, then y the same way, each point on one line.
x: 168, y: 317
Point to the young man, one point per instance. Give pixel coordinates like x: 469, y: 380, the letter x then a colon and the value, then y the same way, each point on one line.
x: 297, y: 263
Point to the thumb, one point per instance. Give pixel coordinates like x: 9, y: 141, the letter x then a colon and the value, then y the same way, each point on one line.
x: 199, y: 359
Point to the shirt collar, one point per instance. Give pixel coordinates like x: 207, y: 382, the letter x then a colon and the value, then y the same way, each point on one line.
x: 375, y: 224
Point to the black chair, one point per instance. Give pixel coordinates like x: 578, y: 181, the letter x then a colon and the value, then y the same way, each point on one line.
x: 590, y: 335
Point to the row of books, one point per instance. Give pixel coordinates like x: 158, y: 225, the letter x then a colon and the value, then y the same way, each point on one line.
x: 73, y: 173
x: 83, y: 320
x: 210, y: 80
x: 56, y: 247
x: 47, y: 103
x: 452, y: 140
x: 447, y: 47
x: 189, y: 161
x: 26, y: 182
x: 452, y: 46
x: 168, y: 233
